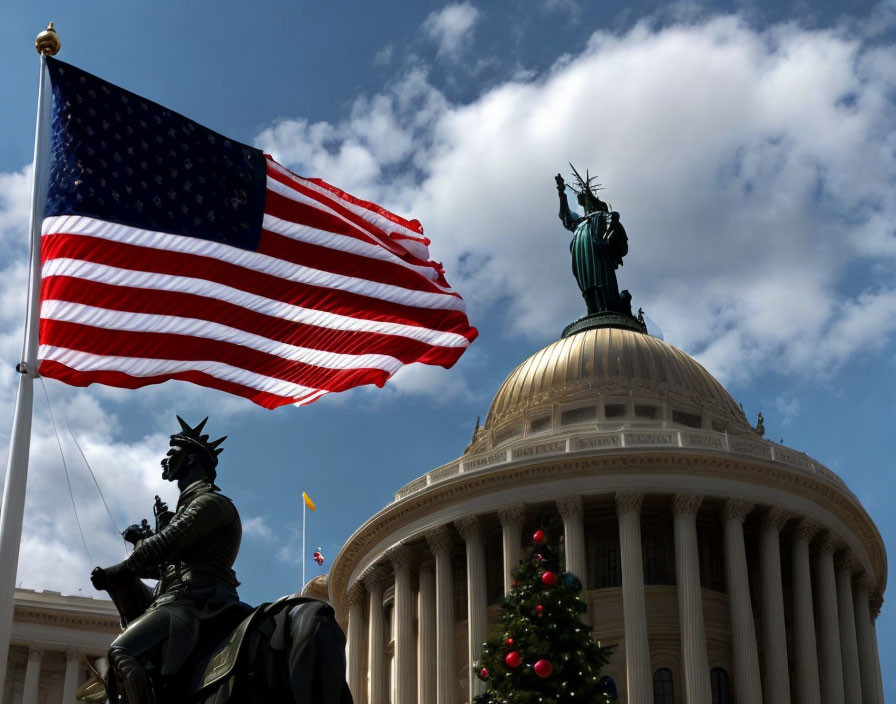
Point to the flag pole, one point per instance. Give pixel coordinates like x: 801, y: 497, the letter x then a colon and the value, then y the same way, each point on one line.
x: 304, y: 511
x: 13, y: 510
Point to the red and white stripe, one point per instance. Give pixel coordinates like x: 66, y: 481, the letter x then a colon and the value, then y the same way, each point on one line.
x: 340, y: 293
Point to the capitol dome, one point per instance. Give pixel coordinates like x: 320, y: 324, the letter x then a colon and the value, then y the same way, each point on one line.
x: 611, y: 374
x: 720, y: 566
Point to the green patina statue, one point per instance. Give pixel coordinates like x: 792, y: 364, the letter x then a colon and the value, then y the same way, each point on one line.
x: 598, y: 245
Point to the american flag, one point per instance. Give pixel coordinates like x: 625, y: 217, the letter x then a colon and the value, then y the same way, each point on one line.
x: 172, y: 252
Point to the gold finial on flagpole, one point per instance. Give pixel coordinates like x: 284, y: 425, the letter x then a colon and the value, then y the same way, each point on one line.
x: 47, y: 42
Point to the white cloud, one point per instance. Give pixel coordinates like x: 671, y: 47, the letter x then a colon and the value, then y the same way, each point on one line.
x: 788, y: 409
x: 452, y: 28
x: 384, y: 56
x: 568, y: 7
x: 257, y: 527
x: 15, y: 203
x: 753, y: 170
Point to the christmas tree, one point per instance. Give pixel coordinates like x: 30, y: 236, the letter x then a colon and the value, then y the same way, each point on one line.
x: 541, y: 652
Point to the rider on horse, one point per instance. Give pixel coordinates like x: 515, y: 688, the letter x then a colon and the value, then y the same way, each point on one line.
x: 191, y: 554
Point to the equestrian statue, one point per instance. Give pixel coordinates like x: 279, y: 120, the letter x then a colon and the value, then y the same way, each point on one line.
x: 190, y: 640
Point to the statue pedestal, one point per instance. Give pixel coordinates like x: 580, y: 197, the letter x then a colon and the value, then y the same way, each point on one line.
x: 604, y: 319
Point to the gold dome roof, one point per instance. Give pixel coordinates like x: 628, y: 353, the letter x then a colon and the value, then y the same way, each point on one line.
x: 613, y: 361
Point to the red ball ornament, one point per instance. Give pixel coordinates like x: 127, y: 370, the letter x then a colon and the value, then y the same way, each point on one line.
x: 509, y: 641
x: 549, y: 578
x: 514, y: 584
x: 539, y: 557
x: 538, y: 537
x: 513, y: 659
x: 543, y: 668
x: 539, y: 609
x: 483, y: 674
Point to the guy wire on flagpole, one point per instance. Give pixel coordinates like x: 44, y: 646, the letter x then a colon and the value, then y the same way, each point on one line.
x: 13, y: 508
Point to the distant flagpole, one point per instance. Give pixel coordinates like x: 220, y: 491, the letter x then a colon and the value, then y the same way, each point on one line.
x: 306, y: 504
x: 304, y: 510
x: 13, y: 510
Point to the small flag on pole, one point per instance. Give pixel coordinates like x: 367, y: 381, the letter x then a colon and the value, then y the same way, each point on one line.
x: 308, y: 502
x: 172, y: 252
x: 318, y: 557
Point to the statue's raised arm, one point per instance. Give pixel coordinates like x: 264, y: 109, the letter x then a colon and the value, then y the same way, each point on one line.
x: 567, y: 217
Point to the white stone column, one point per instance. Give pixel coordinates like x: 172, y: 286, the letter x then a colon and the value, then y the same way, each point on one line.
x: 477, y: 594
x: 747, y: 682
x: 846, y: 565
x: 871, y: 686
x: 374, y: 581
x: 512, y: 518
x: 440, y: 541
x: 572, y: 510
x: 805, y: 651
x: 694, y: 660
x: 875, y: 602
x: 830, y: 661
x: 402, y: 559
x: 774, y: 636
x: 426, y: 635
x: 638, y: 674
x: 354, y: 645
x: 32, y: 675
x: 70, y: 682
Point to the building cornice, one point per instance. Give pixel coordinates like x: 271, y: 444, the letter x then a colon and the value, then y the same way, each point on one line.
x: 62, y: 619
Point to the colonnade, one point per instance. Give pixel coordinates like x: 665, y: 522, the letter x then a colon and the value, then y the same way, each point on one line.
x: 832, y: 663
x: 35, y: 660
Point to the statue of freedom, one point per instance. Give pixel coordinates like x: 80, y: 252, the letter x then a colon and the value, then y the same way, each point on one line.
x: 598, y: 245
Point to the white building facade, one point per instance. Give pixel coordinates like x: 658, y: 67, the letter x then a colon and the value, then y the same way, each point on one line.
x: 720, y: 566
x: 54, y: 644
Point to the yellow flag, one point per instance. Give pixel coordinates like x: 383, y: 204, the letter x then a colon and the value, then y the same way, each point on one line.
x: 308, y: 502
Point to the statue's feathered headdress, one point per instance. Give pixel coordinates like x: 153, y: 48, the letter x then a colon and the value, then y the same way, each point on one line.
x: 584, y: 184
x: 585, y: 187
x: 193, y: 439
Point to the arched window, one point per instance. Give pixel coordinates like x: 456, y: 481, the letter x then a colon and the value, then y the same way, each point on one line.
x: 721, y: 692
x: 662, y: 687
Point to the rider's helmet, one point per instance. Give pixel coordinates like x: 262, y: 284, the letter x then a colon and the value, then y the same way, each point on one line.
x: 191, y: 441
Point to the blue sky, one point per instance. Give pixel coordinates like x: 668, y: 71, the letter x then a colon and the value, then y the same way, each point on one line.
x: 749, y: 148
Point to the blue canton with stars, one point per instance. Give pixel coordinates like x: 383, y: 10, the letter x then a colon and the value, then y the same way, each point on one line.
x: 118, y: 157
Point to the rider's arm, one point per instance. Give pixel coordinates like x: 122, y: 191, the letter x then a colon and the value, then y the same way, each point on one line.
x: 201, y: 518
